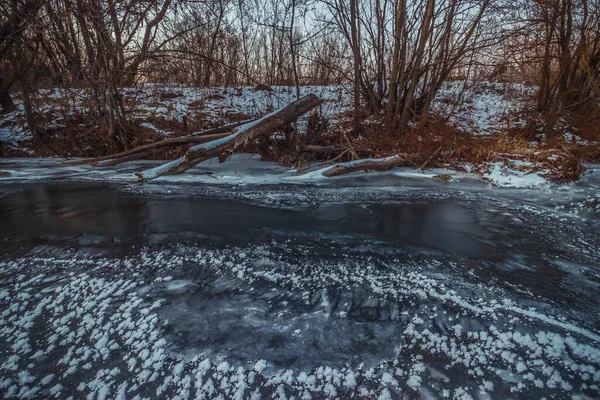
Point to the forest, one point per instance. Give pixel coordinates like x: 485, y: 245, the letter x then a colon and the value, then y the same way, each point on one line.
x: 403, y: 79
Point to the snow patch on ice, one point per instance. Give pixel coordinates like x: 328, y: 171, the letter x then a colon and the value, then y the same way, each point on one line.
x: 501, y: 175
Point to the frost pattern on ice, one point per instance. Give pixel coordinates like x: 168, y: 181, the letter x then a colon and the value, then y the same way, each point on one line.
x: 108, y: 338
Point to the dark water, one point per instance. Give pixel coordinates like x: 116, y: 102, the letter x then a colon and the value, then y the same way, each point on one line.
x: 259, y: 323
x: 529, y: 253
x: 91, y: 215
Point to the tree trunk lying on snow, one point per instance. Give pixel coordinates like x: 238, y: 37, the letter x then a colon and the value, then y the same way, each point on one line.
x: 378, y: 164
x: 143, y: 151
x: 239, y: 137
x: 223, y: 141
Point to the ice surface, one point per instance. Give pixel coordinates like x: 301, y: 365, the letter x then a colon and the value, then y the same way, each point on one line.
x: 299, y: 291
x: 165, y: 340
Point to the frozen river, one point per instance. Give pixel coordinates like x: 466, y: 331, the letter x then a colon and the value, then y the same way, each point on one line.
x: 353, y: 290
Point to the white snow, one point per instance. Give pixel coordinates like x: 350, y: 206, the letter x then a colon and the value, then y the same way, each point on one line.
x: 486, y: 106
x: 156, y: 171
x: 503, y: 176
x: 216, y: 143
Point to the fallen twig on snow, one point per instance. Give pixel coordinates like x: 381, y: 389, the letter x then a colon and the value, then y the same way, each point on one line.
x: 430, y: 158
x: 130, y: 157
x: 321, y: 149
x: 377, y: 164
x: 325, y: 162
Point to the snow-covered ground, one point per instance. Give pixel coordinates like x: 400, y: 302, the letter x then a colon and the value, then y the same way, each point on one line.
x: 484, y: 108
x: 360, y: 288
x: 247, y: 169
x: 212, y: 106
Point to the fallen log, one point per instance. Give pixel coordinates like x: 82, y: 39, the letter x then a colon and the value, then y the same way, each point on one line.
x: 198, y: 137
x: 377, y: 164
x: 153, y: 148
x: 236, y: 141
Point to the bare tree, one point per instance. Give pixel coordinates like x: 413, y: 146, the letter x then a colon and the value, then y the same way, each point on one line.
x: 15, y: 19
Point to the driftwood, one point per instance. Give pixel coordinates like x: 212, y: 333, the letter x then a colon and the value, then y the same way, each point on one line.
x: 155, y: 148
x: 124, y: 156
x: 430, y: 158
x: 235, y: 141
x: 382, y: 164
x: 223, y: 141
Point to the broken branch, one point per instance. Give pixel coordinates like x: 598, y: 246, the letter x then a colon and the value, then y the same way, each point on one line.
x: 377, y: 164
x: 199, y: 137
x: 236, y: 141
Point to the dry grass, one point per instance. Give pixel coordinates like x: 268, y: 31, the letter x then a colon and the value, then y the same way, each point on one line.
x: 442, y: 145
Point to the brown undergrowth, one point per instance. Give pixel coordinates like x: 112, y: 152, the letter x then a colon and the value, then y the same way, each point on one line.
x: 86, y: 134
x: 438, y: 145
x: 443, y: 145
